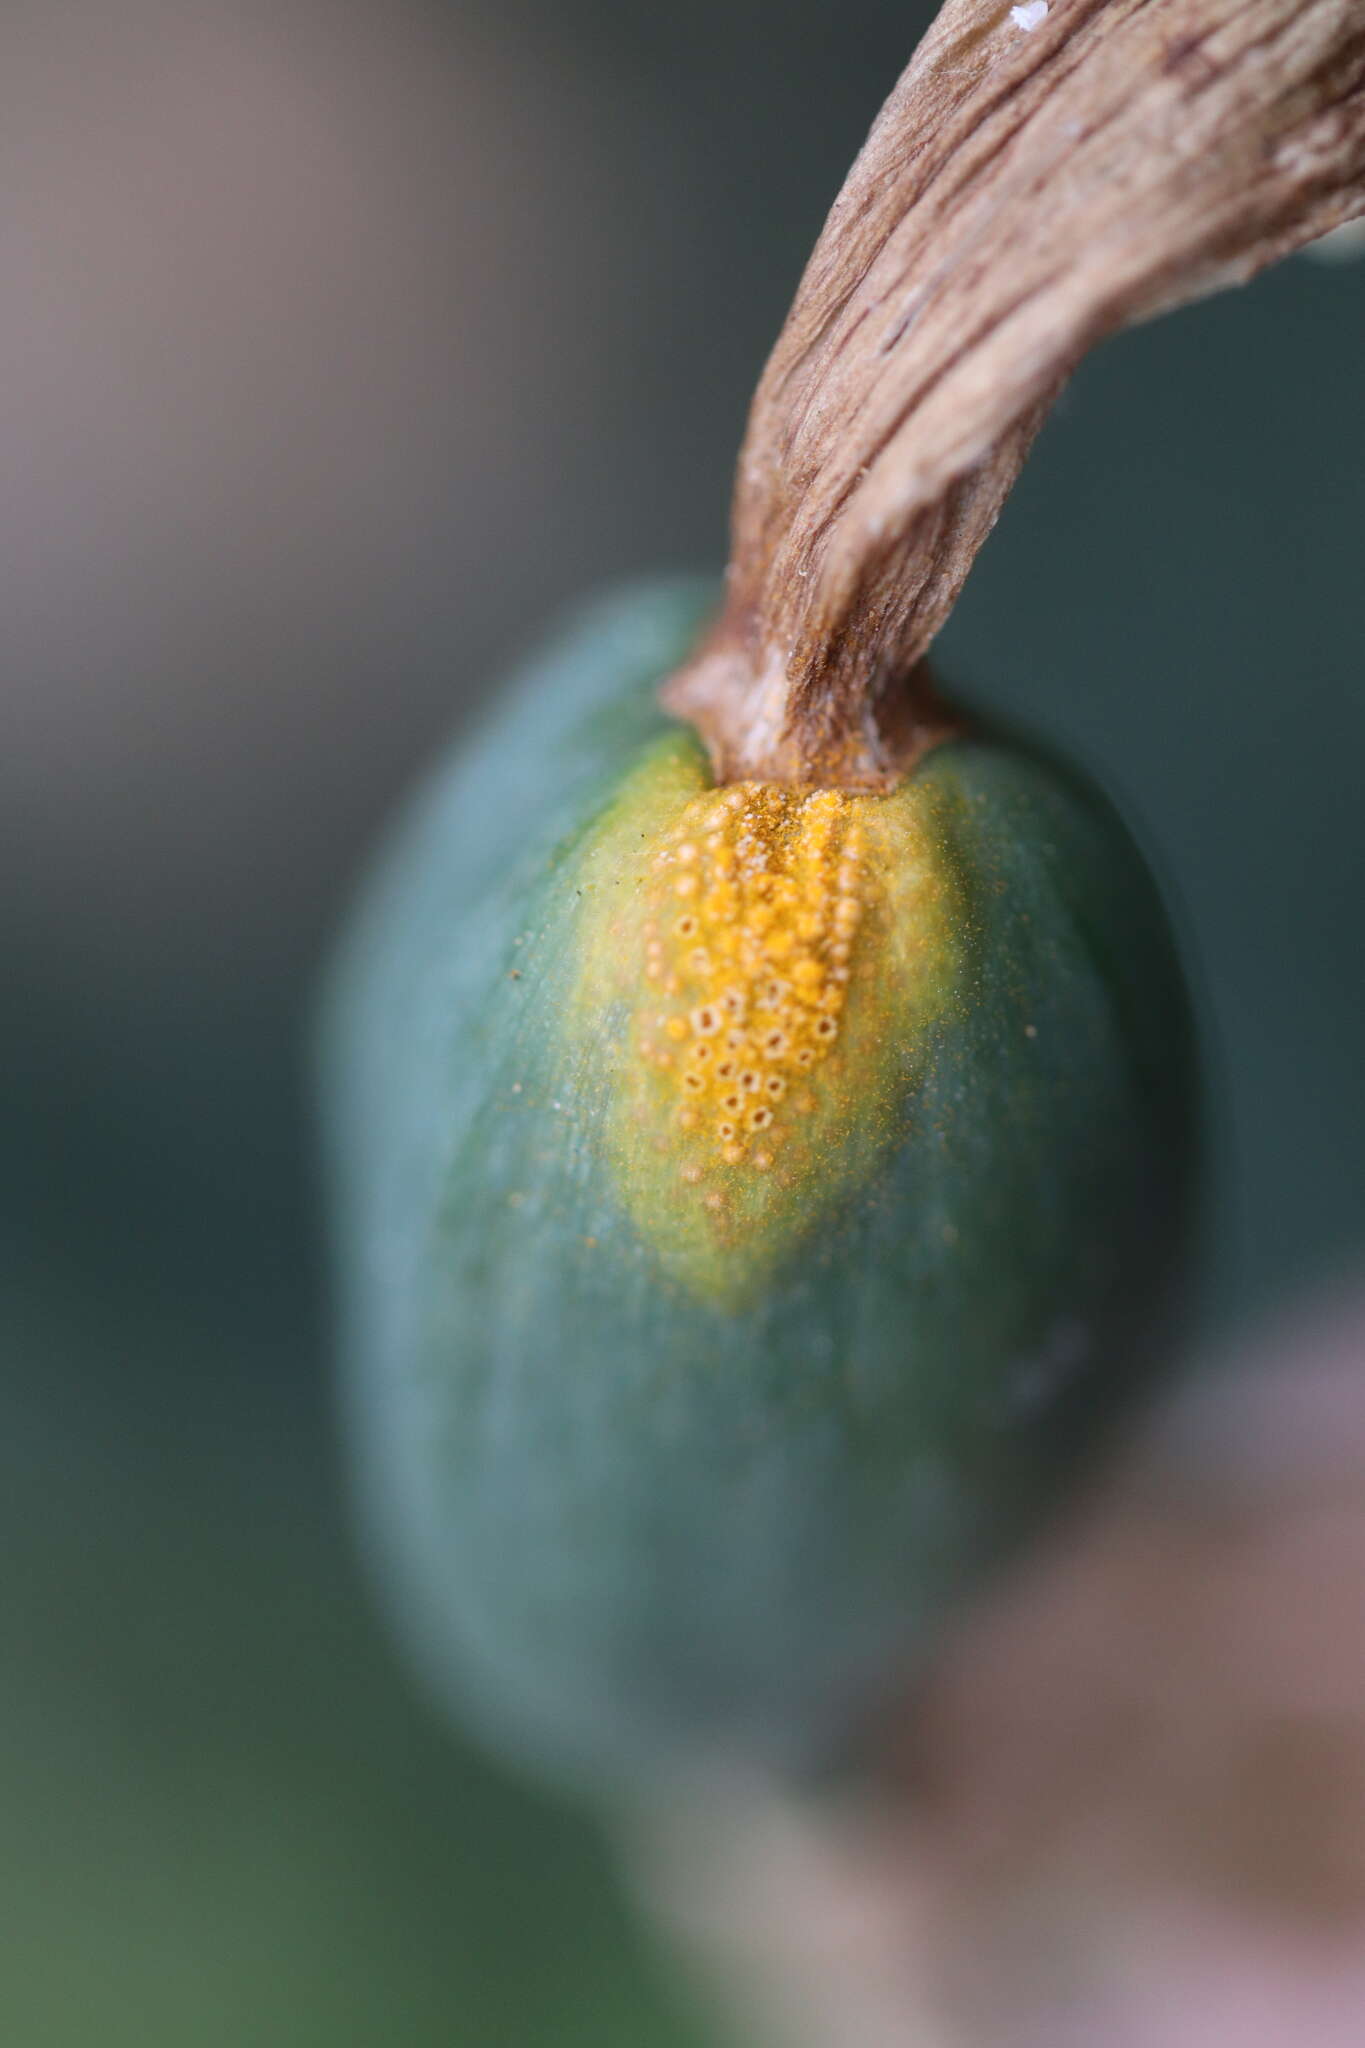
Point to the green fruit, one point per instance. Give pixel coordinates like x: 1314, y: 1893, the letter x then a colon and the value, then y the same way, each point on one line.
x: 750, y: 1204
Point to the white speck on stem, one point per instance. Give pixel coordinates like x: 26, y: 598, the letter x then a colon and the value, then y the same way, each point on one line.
x: 1030, y: 15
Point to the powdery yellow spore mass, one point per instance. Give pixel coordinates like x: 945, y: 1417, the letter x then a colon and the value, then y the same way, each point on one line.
x: 762, y: 892
x: 760, y: 969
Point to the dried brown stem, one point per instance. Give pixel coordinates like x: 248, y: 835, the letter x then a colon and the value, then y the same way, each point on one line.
x: 1023, y: 193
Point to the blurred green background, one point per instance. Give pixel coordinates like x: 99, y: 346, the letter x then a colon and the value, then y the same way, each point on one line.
x: 342, y: 347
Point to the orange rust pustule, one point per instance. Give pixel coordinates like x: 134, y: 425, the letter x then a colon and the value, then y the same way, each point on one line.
x: 751, y: 952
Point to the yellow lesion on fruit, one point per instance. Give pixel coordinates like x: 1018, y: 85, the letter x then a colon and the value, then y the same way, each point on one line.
x: 759, y: 971
x: 773, y: 885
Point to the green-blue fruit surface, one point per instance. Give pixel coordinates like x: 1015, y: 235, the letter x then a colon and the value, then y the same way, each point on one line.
x: 749, y: 1204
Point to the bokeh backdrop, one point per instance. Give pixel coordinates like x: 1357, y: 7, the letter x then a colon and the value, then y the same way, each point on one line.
x: 343, y: 346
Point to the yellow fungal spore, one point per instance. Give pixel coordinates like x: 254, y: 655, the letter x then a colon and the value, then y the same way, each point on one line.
x: 777, y: 892
x: 760, y: 970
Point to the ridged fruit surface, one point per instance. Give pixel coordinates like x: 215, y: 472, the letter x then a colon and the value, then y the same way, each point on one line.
x: 750, y: 1202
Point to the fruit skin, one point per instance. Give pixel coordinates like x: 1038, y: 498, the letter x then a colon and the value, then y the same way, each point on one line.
x: 628, y: 1508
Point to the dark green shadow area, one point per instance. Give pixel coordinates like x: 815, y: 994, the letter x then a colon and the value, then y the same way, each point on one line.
x: 226, y: 1818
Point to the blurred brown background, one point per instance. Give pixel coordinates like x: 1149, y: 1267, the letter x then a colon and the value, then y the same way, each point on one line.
x: 342, y: 346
